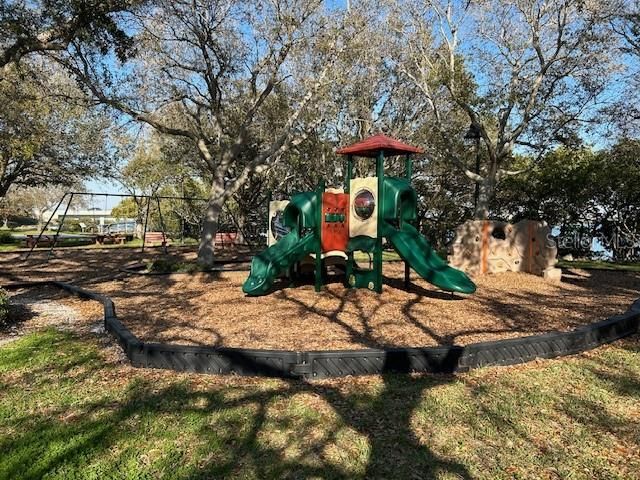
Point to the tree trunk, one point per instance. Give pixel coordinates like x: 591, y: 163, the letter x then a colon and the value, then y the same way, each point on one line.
x: 487, y: 188
x: 206, y: 249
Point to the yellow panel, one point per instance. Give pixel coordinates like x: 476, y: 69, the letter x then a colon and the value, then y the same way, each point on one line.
x: 357, y: 225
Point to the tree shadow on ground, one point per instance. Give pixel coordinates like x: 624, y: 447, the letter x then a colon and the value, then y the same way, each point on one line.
x: 228, y: 433
x: 236, y: 441
x: 177, y: 426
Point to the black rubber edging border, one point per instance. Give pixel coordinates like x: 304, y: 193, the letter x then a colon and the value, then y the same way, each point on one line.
x: 336, y: 363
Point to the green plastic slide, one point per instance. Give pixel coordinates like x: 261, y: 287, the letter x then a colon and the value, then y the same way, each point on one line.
x: 416, y: 250
x: 275, y: 260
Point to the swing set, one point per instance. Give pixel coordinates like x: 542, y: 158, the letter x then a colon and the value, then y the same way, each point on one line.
x: 102, y: 236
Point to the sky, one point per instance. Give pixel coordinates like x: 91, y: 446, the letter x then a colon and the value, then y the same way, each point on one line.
x: 596, y: 139
x: 103, y: 186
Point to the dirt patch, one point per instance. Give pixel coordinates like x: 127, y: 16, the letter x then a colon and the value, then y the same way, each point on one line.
x: 36, y: 308
x: 208, y: 309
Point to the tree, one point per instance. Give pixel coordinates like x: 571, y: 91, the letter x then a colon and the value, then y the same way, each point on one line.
x: 230, y: 78
x: 538, y: 67
x: 625, y: 112
x: 40, y: 201
x: 585, y: 193
x: 32, y: 202
x: 43, y: 139
x: 618, y: 196
x: 149, y: 169
x: 145, y: 174
x: 41, y: 26
x: 11, y: 205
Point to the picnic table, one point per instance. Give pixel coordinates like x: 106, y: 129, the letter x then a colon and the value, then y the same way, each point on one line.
x: 112, y: 238
x: 156, y: 238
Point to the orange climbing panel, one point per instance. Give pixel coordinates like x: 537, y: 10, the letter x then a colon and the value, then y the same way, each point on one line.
x: 335, y: 221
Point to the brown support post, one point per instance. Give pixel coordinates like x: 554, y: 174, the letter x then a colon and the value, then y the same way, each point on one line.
x: 484, y: 255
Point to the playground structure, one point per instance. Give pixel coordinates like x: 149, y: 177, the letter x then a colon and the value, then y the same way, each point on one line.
x: 485, y: 246
x: 329, y: 225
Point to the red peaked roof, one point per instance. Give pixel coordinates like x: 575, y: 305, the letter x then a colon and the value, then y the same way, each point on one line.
x: 371, y: 146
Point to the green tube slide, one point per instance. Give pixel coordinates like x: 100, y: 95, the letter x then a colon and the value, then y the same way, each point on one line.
x: 416, y: 250
x: 275, y: 260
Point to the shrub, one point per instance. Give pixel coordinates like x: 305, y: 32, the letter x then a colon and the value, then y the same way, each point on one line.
x: 6, y: 238
x: 71, y: 225
x: 171, y: 265
x: 4, y: 305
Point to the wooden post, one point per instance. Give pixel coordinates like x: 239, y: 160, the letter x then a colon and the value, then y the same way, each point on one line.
x: 484, y: 255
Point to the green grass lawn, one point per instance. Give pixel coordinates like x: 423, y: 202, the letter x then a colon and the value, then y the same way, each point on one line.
x: 67, y: 412
x: 387, y: 256
x: 599, y: 265
x: 75, y: 243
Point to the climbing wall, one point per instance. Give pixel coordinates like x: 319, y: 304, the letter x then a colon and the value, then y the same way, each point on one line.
x: 485, y: 246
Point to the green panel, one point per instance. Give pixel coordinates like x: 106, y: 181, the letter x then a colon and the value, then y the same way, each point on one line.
x: 408, y: 167
x: 417, y: 252
x: 302, y: 208
x: 334, y: 218
x: 319, y: 280
x: 361, y: 242
x: 398, y: 200
x: 362, y: 278
x: 276, y: 260
x: 377, y: 252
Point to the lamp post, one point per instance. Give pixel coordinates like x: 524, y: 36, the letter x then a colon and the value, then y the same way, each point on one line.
x: 474, y: 134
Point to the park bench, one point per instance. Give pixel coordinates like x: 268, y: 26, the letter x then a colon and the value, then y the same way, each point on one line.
x: 156, y: 238
x: 226, y: 238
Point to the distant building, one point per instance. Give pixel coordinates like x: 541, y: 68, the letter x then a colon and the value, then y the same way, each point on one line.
x: 102, y: 219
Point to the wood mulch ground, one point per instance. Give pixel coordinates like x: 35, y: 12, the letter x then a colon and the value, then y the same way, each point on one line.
x: 210, y: 309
